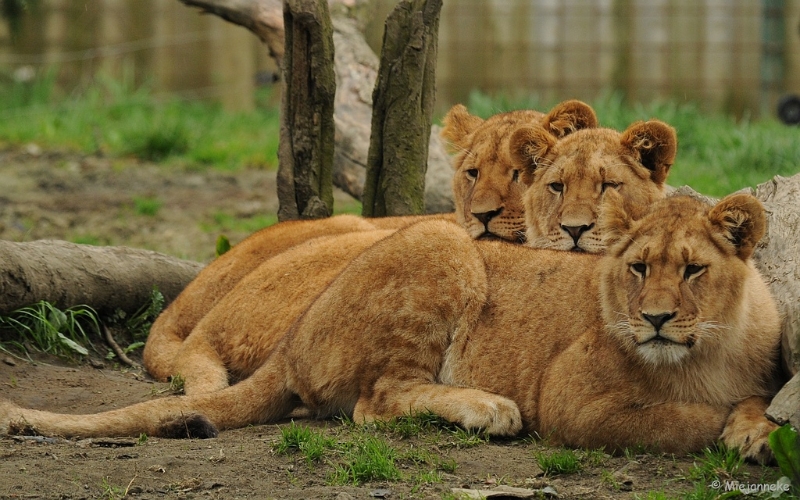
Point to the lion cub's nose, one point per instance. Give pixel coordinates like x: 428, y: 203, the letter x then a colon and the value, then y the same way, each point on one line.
x: 658, y: 320
x: 485, y: 217
x: 576, y: 231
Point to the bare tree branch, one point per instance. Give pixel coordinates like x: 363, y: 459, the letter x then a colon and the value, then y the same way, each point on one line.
x: 263, y: 17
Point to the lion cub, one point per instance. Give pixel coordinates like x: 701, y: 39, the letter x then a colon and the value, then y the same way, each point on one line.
x: 669, y: 341
x: 237, y: 335
x: 487, y: 191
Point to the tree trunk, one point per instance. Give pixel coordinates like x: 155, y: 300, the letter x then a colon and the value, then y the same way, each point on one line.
x: 356, y: 68
x: 105, y: 278
x: 305, y: 185
x: 401, y: 114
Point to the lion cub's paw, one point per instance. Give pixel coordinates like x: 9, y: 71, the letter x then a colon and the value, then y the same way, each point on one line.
x: 496, y: 415
x: 750, y: 435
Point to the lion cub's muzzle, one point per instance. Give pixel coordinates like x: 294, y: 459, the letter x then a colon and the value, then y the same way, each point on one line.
x: 575, y: 233
x: 485, y: 218
x: 658, y: 320
x: 658, y: 336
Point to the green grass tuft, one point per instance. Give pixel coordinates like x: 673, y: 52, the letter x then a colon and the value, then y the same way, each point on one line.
x: 370, y: 458
x: 147, y: 206
x: 559, y: 462
x: 310, y: 443
x: 407, y: 426
x: 717, y: 463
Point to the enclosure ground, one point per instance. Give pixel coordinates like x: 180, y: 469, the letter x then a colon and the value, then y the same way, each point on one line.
x: 180, y: 211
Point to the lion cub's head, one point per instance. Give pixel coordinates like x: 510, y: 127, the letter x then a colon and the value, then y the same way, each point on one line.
x: 677, y: 282
x: 568, y: 177
x: 487, y: 187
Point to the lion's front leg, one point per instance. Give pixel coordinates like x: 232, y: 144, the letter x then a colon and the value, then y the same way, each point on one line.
x: 469, y: 408
x: 747, y: 429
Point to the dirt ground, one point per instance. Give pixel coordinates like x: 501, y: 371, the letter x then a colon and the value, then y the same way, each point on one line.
x: 67, y: 196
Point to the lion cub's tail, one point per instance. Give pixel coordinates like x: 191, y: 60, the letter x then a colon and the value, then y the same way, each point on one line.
x: 261, y: 398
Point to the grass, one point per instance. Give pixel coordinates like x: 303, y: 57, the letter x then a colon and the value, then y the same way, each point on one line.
x: 368, y: 458
x: 48, y: 329
x: 312, y: 444
x: 717, y: 154
x: 417, y: 424
x: 716, y: 463
x: 66, y: 333
x: 564, y: 461
x: 118, y: 118
x: 363, y: 453
x: 147, y: 206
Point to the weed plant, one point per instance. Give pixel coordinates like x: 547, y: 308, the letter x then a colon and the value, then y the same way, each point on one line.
x: 48, y: 329
x: 68, y: 333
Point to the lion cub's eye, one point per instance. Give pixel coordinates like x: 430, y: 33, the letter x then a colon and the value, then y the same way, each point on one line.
x: 639, y: 269
x: 515, y: 176
x: 472, y: 173
x: 692, y: 270
x: 556, y: 187
x: 609, y: 185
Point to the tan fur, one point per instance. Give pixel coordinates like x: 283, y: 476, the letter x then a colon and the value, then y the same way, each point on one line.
x: 487, y: 183
x: 572, y: 174
x: 214, y: 282
x: 508, y: 338
x: 496, y: 190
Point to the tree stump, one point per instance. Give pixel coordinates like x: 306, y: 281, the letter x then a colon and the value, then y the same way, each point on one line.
x: 402, y: 104
x: 305, y: 153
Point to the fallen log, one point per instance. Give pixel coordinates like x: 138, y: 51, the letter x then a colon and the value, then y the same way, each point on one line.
x: 105, y: 278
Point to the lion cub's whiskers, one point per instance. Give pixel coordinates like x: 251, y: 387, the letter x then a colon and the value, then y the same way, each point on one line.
x: 711, y: 329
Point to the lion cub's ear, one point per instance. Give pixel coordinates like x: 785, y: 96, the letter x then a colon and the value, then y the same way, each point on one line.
x: 458, y: 124
x: 653, y: 143
x: 613, y: 222
x: 742, y: 222
x: 568, y: 117
x: 528, y: 146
